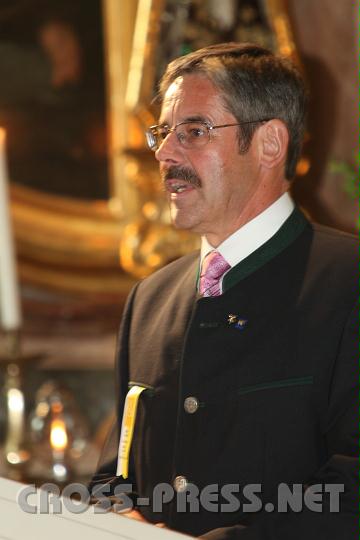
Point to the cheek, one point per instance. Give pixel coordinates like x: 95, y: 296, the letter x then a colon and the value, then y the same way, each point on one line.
x: 215, y: 169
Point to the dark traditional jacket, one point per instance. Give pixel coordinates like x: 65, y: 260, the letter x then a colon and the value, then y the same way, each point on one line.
x: 272, y: 367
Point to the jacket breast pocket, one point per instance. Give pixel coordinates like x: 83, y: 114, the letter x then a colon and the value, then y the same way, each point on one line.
x: 271, y: 385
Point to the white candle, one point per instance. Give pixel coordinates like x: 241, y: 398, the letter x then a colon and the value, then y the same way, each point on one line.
x: 15, y: 405
x: 9, y: 292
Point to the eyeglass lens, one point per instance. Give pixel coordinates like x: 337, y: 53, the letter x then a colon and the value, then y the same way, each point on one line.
x: 189, y: 134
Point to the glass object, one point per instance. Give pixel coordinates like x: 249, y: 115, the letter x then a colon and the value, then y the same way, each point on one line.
x: 58, y: 435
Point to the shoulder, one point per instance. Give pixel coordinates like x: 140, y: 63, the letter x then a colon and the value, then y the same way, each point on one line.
x: 172, y: 270
x: 338, y: 247
x: 182, y: 272
x: 329, y: 234
x: 332, y: 263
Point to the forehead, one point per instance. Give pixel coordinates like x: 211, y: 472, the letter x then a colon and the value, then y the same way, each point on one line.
x: 191, y: 96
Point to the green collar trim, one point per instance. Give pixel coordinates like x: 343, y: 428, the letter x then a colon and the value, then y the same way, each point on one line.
x: 288, y: 232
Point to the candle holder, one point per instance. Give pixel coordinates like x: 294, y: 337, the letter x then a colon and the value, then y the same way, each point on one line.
x: 58, y: 435
x: 12, y: 361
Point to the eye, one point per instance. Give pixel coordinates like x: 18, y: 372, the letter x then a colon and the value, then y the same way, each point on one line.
x: 196, y: 131
x: 182, y: 135
x: 162, y: 132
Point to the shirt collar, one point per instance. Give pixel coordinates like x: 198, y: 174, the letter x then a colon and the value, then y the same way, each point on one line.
x: 253, y: 234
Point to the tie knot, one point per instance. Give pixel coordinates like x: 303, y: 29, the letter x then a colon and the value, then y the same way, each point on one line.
x: 213, y: 267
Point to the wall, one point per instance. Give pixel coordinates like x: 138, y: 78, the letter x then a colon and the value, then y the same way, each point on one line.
x: 326, y: 35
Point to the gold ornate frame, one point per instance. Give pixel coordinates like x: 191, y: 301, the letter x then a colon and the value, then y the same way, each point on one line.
x: 75, y: 246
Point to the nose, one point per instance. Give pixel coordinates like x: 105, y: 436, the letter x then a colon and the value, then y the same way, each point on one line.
x: 170, y: 149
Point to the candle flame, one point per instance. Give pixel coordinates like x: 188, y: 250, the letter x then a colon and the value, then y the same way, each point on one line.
x: 2, y: 136
x: 58, y: 435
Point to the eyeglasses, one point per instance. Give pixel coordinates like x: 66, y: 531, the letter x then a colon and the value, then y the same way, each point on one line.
x: 191, y: 135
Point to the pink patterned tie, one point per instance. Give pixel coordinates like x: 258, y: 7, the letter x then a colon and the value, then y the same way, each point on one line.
x: 213, y: 267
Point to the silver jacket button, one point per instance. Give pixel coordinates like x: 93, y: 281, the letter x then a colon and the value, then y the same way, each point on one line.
x: 191, y: 404
x: 180, y: 483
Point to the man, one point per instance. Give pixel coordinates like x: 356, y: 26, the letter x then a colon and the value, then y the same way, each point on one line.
x: 241, y: 360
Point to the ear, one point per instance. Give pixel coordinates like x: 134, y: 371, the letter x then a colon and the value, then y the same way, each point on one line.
x: 274, y: 140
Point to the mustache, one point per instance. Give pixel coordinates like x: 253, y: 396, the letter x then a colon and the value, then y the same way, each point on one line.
x: 181, y: 173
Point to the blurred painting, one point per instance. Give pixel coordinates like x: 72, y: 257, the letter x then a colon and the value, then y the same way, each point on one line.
x: 52, y: 96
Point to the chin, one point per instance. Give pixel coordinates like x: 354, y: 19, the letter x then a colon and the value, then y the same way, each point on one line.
x: 184, y: 223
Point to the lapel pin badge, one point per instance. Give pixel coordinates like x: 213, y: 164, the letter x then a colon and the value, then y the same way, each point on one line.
x: 238, y: 322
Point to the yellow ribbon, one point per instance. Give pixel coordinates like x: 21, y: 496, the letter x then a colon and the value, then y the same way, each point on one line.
x: 127, y: 429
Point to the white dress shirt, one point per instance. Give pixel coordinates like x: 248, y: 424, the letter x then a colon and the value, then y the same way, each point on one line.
x: 253, y: 234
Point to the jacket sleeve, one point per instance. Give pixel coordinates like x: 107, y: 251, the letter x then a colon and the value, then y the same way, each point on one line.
x: 339, y: 474
x: 105, y: 481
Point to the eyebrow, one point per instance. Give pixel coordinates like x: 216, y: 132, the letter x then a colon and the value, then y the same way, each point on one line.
x: 195, y: 118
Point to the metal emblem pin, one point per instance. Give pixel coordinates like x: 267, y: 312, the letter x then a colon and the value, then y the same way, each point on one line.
x: 238, y: 322
x: 241, y: 323
x: 232, y: 319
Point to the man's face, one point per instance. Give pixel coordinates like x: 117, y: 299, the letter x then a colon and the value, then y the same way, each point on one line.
x: 221, y: 183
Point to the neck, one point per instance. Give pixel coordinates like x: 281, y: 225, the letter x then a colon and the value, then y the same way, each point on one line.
x: 260, y: 201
